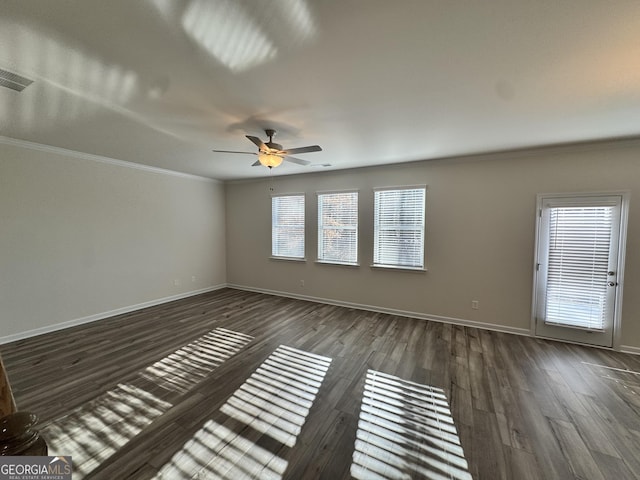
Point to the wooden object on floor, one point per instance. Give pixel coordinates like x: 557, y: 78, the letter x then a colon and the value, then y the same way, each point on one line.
x: 17, y: 429
x: 18, y: 435
x: 401, y: 397
x: 7, y: 402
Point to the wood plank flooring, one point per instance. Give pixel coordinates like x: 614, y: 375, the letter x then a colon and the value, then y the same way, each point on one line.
x: 234, y: 384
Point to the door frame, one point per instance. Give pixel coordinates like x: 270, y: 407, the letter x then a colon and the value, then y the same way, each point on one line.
x: 622, y: 243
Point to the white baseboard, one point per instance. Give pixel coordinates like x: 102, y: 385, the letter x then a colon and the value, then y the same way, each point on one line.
x: 391, y: 311
x: 103, y: 315
x: 371, y: 308
x: 630, y: 349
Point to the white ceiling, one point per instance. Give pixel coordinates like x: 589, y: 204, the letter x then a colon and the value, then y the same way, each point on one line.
x: 163, y: 82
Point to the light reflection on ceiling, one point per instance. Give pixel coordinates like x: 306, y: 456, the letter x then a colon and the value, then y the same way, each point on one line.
x: 294, y: 18
x: 274, y: 401
x: 224, y: 29
x: 406, y: 430
x: 82, y: 83
x: 96, y: 430
x: 163, y: 82
x: 243, y: 35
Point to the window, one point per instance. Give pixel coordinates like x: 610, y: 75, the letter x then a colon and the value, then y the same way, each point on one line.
x: 287, y: 226
x: 399, y: 227
x: 338, y: 228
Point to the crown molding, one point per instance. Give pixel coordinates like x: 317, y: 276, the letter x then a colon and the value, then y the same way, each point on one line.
x: 100, y: 159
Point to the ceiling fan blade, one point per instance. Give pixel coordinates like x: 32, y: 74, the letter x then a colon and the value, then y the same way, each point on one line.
x: 257, y: 141
x: 310, y: 148
x: 233, y: 151
x: 297, y: 160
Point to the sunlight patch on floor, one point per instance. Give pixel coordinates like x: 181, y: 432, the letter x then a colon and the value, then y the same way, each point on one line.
x: 269, y: 408
x: 183, y: 369
x: 96, y: 430
x: 276, y: 399
x: 235, y: 457
x: 406, y: 431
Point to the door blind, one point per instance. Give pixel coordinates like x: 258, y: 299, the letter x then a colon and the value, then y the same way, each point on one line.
x: 579, y: 247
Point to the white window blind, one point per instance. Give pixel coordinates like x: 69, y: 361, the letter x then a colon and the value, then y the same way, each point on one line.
x: 338, y: 227
x: 579, y: 244
x: 399, y: 227
x: 287, y: 226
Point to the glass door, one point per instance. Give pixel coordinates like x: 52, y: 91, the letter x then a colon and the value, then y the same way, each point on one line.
x: 577, y: 268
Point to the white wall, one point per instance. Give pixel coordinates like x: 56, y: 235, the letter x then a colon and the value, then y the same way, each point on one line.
x: 81, y: 238
x: 480, y: 234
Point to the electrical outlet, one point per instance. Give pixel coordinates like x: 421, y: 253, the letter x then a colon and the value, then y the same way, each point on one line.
x: 475, y: 304
x: 177, y: 282
x: 301, y: 283
x: 193, y: 278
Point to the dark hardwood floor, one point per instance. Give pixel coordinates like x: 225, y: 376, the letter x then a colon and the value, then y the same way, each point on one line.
x: 234, y: 385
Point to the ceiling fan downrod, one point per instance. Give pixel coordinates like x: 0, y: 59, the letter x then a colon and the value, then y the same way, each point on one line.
x: 270, y: 133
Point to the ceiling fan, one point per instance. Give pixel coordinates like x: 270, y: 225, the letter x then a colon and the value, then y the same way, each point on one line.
x: 271, y: 154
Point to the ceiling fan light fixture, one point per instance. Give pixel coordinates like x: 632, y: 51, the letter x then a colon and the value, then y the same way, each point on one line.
x: 269, y: 160
x: 271, y: 154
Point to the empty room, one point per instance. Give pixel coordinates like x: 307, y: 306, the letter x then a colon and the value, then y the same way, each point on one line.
x: 320, y: 240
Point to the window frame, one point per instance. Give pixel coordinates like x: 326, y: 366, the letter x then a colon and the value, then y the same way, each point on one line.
x: 376, y: 221
x: 321, y: 229
x: 277, y: 256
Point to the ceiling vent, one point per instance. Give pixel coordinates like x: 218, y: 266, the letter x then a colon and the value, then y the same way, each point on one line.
x: 13, y: 81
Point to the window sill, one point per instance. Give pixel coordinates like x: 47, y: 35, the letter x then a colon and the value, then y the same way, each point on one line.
x: 289, y: 259
x: 399, y: 268
x: 339, y: 264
